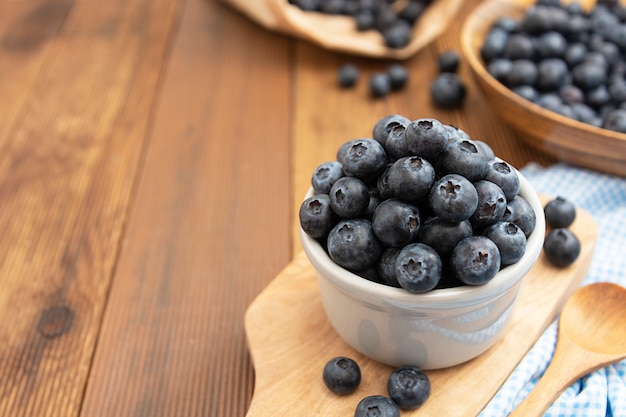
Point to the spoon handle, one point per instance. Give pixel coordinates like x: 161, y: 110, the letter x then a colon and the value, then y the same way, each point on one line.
x: 567, y: 366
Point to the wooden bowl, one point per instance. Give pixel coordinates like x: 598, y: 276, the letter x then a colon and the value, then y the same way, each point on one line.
x: 567, y: 139
x: 339, y: 33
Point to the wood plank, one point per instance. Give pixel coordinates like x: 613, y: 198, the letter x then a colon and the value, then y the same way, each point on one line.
x: 326, y: 116
x: 26, y: 29
x: 68, y: 167
x: 209, y: 227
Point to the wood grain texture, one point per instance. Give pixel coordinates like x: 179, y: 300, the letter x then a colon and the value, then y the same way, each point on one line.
x: 209, y: 226
x: 291, y: 339
x: 69, y: 159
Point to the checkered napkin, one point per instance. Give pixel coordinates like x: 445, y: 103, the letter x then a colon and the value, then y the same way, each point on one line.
x: 602, y: 393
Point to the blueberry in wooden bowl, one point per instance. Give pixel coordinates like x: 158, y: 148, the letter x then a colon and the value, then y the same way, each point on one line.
x: 554, y: 72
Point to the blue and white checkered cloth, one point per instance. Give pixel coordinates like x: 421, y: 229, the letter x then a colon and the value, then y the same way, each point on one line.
x: 602, y: 393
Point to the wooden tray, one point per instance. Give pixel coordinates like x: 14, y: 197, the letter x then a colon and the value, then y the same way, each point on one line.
x: 290, y: 340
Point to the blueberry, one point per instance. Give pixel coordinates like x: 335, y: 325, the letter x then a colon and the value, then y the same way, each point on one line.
x: 342, y: 375
x: 349, y: 197
x: 387, y: 267
x: 448, y: 61
x: 348, y: 75
x: 491, y: 204
x: 448, y: 91
x: 504, y: 176
x: 325, y: 175
x: 418, y: 268
x: 485, y: 149
x: 561, y: 247
x: 475, y: 260
x: 380, y: 85
x: 442, y: 235
x: 365, y: 20
x: 526, y: 91
x: 396, y: 145
x: 396, y: 223
x: 509, y: 239
x: 519, y: 46
x: 316, y: 216
x: 409, y: 179
x: 559, y: 212
x: 500, y: 68
x: 353, y: 245
x: 552, y: 73
x: 426, y: 137
x: 409, y: 387
x: 522, y: 72
x: 364, y: 159
x: 615, y: 120
x: 494, y: 44
x: 463, y: 157
x: 377, y: 406
x: 589, y: 75
x: 551, y: 44
x: 384, y: 125
x: 518, y: 211
x: 397, y: 35
x: 453, y: 198
x: 398, y: 75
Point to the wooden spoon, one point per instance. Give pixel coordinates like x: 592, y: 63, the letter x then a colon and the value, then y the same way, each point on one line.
x: 592, y: 334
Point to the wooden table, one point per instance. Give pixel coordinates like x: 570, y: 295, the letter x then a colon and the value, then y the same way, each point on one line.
x: 152, y: 157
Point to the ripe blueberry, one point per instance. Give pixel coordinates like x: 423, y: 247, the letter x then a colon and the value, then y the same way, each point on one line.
x: 418, y: 268
x: 475, y: 260
x: 408, y: 387
x: 377, y: 406
x: 559, y: 212
x: 561, y: 247
x: 342, y: 375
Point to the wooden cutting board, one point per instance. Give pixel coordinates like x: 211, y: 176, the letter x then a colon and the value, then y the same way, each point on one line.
x: 290, y: 340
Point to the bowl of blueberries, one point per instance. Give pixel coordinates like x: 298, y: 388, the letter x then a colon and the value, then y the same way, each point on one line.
x: 421, y: 238
x: 555, y: 71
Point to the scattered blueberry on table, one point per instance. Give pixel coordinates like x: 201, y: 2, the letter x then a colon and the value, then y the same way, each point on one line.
x: 561, y: 246
x: 342, y: 375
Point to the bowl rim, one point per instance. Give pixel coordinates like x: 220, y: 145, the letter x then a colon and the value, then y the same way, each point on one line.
x: 380, y: 294
x: 477, y: 66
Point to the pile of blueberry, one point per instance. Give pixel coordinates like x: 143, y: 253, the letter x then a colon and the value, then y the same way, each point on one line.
x: 565, y: 59
x: 394, y: 20
x: 408, y: 388
x: 420, y: 206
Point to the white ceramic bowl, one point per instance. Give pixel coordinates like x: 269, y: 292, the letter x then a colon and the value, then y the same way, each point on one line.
x: 438, y: 329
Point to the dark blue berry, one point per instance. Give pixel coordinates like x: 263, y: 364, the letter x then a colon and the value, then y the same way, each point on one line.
x: 397, y: 35
x: 348, y: 75
x: 386, y: 267
x: 380, y: 85
x: 442, y: 235
x: 349, y: 197
x: 342, y: 375
x: 426, y: 137
x: 463, y: 157
x: 353, y: 245
x: 453, y: 198
x: 448, y: 91
x: 396, y: 223
x: 504, y: 176
x: 491, y: 204
x: 409, y: 179
x: 475, y: 260
x: 325, y: 175
x: 448, y: 61
x: 395, y: 145
x: 316, y: 216
x: 364, y: 159
x: 398, y: 75
x: 560, y: 212
x: 521, y: 213
x: 377, y: 406
x: 561, y: 247
x: 418, y: 268
x: 509, y: 239
x: 384, y: 125
x: 409, y: 387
